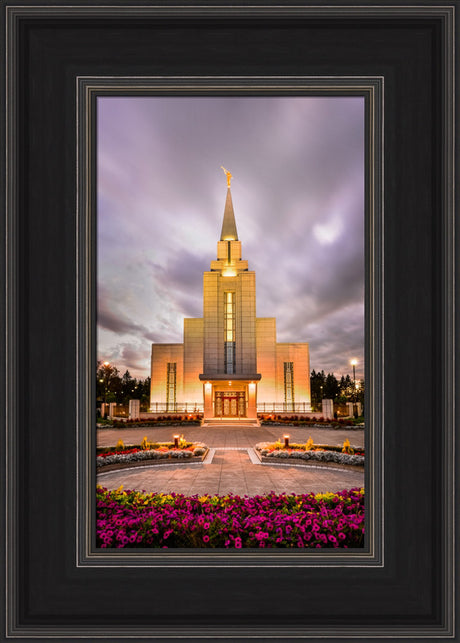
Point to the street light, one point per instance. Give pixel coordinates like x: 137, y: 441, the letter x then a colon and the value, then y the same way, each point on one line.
x: 353, y: 362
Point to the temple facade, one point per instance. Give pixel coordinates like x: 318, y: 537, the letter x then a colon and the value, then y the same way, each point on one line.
x: 230, y: 364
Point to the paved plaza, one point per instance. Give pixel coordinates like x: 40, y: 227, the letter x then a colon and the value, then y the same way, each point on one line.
x: 231, y: 466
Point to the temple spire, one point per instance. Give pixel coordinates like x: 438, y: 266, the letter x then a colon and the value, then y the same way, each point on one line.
x: 229, y: 232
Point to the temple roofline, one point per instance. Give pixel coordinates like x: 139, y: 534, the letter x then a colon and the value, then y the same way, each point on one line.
x: 233, y: 377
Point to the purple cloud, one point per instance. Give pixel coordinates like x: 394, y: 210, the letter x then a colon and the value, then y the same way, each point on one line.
x: 298, y: 194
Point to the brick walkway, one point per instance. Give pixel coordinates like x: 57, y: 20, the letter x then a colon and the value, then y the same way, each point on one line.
x: 231, y: 469
x: 230, y: 436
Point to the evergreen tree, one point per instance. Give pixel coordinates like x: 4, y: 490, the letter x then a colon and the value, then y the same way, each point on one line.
x: 127, y: 387
x: 317, y: 387
x: 331, y: 387
x: 346, y: 389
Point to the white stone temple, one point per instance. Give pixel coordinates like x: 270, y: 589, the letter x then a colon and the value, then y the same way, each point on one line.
x: 230, y: 364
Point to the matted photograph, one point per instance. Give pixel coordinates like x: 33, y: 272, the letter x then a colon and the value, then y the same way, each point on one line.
x: 230, y: 322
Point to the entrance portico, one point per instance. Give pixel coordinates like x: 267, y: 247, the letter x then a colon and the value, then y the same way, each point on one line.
x: 233, y: 399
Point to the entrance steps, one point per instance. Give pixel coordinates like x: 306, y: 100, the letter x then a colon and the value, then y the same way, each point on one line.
x: 233, y: 422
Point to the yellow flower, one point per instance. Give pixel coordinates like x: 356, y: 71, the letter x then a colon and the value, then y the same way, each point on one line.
x: 325, y: 496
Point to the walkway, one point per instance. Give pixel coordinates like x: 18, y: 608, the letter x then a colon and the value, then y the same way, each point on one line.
x: 231, y: 469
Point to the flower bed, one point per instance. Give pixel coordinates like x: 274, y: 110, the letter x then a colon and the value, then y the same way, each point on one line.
x: 272, y: 419
x: 135, y: 519
x: 315, y: 452
x: 149, y: 451
x: 161, y: 420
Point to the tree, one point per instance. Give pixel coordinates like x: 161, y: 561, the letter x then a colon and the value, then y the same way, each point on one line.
x: 144, y: 388
x: 360, y: 392
x: 108, y: 382
x: 345, y: 389
x: 317, y: 384
x: 127, y: 387
x: 110, y: 387
x: 331, y: 387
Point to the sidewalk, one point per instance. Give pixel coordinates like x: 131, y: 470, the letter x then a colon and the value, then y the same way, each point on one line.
x: 221, y: 436
x: 231, y: 469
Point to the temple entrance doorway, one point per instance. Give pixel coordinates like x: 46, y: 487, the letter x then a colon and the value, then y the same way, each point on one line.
x: 230, y: 404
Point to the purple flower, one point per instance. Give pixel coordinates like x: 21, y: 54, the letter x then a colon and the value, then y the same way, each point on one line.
x: 274, y: 520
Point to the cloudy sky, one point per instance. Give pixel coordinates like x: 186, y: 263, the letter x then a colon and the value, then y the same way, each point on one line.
x: 298, y: 196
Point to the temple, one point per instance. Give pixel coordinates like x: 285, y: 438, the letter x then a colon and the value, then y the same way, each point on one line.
x: 230, y: 364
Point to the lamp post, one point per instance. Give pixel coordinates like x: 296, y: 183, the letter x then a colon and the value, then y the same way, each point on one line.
x: 353, y: 362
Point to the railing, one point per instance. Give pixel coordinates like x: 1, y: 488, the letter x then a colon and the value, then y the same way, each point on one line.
x: 283, y: 407
x: 178, y: 407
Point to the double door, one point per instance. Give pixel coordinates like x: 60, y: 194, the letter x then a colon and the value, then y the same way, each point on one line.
x: 230, y: 404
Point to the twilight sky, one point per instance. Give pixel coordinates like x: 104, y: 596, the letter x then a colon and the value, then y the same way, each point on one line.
x: 298, y: 196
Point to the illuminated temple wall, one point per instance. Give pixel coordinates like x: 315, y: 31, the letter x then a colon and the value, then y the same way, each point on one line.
x: 162, y: 355
x: 271, y: 357
x: 266, y: 359
x: 298, y: 355
x: 179, y: 371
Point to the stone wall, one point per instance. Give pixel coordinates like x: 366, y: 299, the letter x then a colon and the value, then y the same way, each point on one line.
x: 193, y: 360
x: 298, y: 353
x: 266, y: 359
x: 161, y: 355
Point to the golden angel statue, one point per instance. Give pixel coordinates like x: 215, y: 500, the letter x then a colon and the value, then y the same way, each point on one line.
x: 228, y: 175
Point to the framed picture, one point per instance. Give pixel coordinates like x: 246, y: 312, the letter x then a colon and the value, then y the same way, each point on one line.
x: 188, y: 383
x: 61, y: 60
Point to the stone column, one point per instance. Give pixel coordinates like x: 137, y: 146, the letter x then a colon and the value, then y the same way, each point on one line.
x: 134, y: 409
x: 328, y: 409
x: 359, y: 408
x: 112, y: 407
x: 207, y: 397
x: 252, y: 400
x: 350, y: 411
x: 104, y: 408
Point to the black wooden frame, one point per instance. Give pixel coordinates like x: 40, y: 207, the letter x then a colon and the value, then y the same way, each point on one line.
x: 50, y: 590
